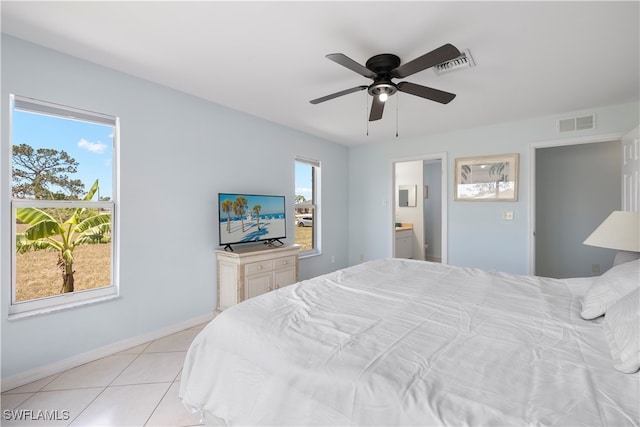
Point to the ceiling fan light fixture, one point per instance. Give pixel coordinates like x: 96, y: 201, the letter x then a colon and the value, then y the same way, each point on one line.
x: 380, y: 88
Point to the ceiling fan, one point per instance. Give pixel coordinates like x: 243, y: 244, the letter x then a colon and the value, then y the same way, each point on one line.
x: 384, y: 67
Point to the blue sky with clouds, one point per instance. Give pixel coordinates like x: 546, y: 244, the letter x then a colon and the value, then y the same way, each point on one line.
x: 303, y: 180
x: 90, y: 144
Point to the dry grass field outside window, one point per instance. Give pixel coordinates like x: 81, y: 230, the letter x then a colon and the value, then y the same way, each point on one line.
x: 304, y: 238
x: 37, y: 275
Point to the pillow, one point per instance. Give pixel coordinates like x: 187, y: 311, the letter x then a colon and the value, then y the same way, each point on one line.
x: 607, y: 289
x: 622, y: 327
x: 625, y: 256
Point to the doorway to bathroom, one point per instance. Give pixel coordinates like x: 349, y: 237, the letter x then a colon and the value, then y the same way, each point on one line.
x: 420, y: 207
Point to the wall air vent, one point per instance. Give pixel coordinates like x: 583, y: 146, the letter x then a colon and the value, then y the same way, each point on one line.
x: 573, y: 124
x: 463, y: 61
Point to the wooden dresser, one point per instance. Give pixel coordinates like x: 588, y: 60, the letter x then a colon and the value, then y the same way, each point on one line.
x: 251, y: 271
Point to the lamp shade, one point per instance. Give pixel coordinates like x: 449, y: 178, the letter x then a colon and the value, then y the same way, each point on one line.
x: 621, y: 231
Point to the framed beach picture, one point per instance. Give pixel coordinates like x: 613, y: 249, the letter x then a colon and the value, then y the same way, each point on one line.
x: 487, y: 178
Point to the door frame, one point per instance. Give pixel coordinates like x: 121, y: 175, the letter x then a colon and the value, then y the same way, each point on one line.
x: 444, y: 165
x: 590, y: 139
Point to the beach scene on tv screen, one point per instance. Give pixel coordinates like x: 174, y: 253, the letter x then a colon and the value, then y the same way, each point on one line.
x: 249, y: 218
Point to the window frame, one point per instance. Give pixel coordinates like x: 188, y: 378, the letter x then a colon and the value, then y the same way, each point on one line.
x: 77, y: 298
x: 316, y: 173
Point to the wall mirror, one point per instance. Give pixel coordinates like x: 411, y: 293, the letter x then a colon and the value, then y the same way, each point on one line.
x: 407, y: 195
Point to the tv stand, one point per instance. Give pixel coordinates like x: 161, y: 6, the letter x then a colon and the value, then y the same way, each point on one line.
x: 250, y: 271
x: 272, y: 243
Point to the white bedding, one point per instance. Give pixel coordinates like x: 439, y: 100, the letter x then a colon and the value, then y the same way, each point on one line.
x: 403, y: 342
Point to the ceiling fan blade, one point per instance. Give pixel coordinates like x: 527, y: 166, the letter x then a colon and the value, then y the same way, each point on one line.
x: 349, y: 63
x: 337, y: 94
x: 426, y: 92
x: 443, y: 53
x: 377, y: 108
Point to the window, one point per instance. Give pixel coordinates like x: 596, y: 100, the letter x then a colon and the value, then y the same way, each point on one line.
x: 307, y: 204
x: 63, y: 206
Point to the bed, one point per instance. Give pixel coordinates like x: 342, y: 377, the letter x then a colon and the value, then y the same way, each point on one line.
x: 405, y: 342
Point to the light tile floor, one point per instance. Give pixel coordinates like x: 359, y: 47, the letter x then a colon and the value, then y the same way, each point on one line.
x: 136, y: 387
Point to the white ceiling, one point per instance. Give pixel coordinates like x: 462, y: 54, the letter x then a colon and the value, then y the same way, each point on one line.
x: 268, y: 58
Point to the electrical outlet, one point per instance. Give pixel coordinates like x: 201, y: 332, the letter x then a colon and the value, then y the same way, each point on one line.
x: 595, y: 268
x: 508, y: 215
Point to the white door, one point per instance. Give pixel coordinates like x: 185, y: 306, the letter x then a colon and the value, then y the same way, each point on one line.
x: 631, y: 171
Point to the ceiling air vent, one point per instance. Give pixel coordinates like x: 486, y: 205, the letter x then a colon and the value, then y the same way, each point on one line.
x: 463, y: 61
x: 573, y: 124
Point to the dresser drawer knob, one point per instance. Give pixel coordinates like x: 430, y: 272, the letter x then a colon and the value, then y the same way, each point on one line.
x: 259, y: 267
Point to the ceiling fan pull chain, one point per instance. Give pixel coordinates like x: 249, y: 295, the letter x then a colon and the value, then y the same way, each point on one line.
x: 366, y: 110
x: 397, y: 102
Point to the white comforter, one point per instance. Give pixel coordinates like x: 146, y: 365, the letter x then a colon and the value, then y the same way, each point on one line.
x: 402, y: 342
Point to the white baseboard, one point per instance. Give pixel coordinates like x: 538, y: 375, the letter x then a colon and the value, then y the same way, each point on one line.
x: 38, y: 373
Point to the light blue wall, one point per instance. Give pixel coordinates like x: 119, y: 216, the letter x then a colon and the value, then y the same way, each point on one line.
x: 478, y: 236
x: 177, y: 152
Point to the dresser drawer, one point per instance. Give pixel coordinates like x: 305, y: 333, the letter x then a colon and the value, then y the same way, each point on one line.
x: 289, y: 261
x: 258, y: 267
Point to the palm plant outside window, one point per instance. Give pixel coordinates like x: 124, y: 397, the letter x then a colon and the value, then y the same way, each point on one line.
x: 63, y: 205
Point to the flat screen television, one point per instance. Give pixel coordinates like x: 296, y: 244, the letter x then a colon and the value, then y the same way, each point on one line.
x: 245, y: 218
